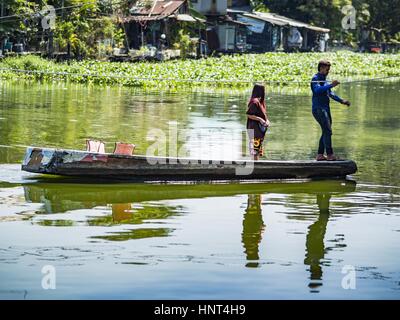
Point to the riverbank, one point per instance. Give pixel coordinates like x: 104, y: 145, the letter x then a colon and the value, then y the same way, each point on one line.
x: 237, y: 71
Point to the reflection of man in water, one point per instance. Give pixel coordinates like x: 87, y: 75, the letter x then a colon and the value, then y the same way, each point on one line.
x: 253, y: 227
x: 315, y: 249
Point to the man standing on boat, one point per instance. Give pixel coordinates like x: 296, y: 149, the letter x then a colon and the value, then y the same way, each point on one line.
x: 322, y: 92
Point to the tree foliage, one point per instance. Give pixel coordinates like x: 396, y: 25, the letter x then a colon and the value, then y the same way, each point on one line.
x: 79, y: 24
x: 378, y: 14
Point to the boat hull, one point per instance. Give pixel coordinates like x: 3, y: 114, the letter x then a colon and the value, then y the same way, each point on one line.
x: 95, y: 165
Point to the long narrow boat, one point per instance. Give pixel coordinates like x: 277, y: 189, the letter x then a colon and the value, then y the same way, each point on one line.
x: 113, y: 166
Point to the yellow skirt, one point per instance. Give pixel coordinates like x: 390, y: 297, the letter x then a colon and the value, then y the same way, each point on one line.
x: 256, y: 147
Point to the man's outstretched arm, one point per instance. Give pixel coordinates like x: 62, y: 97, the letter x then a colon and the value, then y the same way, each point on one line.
x: 335, y: 97
x: 338, y: 99
x: 318, y: 89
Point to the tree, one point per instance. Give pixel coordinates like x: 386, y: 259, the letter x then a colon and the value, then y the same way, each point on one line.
x: 79, y: 24
x: 17, y: 17
x: 379, y: 14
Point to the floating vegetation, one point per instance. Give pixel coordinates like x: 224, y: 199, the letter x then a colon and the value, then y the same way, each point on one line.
x: 236, y: 71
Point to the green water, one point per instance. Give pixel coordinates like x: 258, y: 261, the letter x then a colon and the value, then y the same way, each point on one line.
x: 256, y: 240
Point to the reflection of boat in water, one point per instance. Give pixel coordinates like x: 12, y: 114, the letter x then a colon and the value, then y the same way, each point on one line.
x: 61, y: 197
x: 127, y: 167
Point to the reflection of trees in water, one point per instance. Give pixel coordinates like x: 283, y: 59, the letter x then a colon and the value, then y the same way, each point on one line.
x: 90, y: 108
x: 315, y: 248
x: 123, y: 213
x: 253, y: 227
x: 297, y: 206
x: 56, y: 223
x: 135, y: 234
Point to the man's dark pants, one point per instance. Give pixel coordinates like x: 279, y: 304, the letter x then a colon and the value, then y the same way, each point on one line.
x: 324, y: 118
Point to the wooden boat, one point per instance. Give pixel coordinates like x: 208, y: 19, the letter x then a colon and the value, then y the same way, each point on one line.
x: 142, y: 168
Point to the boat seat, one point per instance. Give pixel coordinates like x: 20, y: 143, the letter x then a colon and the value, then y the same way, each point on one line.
x: 124, y: 148
x: 95, y: 146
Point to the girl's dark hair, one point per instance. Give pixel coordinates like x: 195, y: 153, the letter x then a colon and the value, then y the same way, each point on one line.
x: 258, y: 93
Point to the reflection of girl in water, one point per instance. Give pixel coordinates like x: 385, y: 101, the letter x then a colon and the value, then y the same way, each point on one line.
x: 253, y: 227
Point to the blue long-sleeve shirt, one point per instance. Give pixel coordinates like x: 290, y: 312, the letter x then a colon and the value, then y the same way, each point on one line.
x: 322, y: 92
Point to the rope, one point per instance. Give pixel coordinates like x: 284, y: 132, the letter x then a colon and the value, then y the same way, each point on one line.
x: 185, y: 80
x: 14, y: 146
x: 371, y: 79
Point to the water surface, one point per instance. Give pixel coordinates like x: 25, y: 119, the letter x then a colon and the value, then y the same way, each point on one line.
x: 259, y: 240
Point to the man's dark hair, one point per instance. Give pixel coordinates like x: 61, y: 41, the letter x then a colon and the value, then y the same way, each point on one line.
x: 323, y: 63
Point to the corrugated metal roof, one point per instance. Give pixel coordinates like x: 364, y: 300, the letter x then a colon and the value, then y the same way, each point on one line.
x: 185, y: 17
x: 159, y: 8
x: 267, y: 19
x: 230, y: 20
x: 142, y: 18
x: 292, y: 22
x: 283, y: 21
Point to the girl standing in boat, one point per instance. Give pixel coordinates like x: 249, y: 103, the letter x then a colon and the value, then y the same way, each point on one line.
x: 257, y: 121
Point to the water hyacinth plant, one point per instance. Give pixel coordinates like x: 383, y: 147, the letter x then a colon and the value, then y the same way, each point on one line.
x: 237, y: 71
